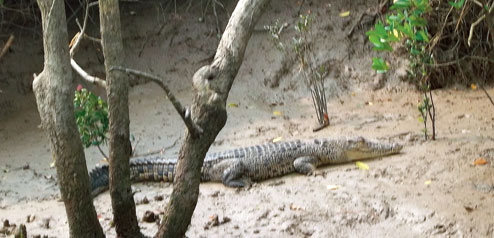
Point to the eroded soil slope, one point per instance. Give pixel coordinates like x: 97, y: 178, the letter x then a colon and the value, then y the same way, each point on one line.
x: 431, y: 189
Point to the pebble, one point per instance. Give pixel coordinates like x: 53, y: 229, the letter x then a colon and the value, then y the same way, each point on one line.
x: 158, y: 198
x: 263, y: 215
x: 45, y: 223
x: 214, y: 194
x: 145, y: 200
x: 30, y: 218
x: 215, y: 221
x: 149, y: 217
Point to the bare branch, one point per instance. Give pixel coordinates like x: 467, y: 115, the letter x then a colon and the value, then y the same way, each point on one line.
x: 487, y: 94
x: 102, y: 152
x: 86, y: 76
x: 74, y: 46
x: 472, y: 28
x: 7, y: 45
x: 78, y: 37
x: 194, y: 129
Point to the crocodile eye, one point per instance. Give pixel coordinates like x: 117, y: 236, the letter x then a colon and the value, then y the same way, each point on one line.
x: 360, y: 140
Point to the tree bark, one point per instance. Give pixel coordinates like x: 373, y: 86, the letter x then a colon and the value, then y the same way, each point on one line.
x: 124, y: 213
x: 212, y: 84
x: 54, y: 90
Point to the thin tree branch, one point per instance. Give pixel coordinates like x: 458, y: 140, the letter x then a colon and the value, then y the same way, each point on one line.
x: 472, y: 28
x: 194, y: 129
x: 102, y: 152
x: 432, y: 115
x: 77, y: 37
x: 74, y: 46
x: 7, y: 45
x: 218, y: 28
x: 487, y: 94
x: 86, y: 76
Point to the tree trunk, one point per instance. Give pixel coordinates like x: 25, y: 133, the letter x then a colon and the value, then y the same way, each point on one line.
x: 54, y: 89
x: 211, y: 84
x: 124, y: 213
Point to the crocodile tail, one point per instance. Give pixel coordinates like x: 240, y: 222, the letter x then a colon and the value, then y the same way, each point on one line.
x: 152, y: 170
x: 99, y: 179
x: 140, y: 170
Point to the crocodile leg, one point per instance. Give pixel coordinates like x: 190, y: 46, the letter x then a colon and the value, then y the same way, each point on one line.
x: 306, y: 164
x: 236, y: 175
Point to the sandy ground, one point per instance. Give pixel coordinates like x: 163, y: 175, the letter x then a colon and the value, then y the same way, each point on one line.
x: 432, y: 189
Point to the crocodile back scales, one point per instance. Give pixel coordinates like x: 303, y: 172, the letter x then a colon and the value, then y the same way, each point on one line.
x: 158, y: 168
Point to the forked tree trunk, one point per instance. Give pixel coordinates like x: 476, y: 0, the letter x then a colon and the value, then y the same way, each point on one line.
x: 124, y: 213
x: 54, y: 89
x: 211, y: 84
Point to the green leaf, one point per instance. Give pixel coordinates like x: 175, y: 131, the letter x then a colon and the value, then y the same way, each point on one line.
x: 421, y: 36
x: 458, y: 4
x: 379, y: 43
x: 401, y: 4
x: 379, y: 65
x: 376, y: 40
x: 91, y: 117
x: 414, y: 51
x: 417, y: 21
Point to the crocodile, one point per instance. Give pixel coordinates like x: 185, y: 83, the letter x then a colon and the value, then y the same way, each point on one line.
x: 240, y: 167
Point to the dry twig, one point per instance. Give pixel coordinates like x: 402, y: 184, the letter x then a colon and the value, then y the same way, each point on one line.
x: 7, y: 45
x: 74, y: 46
x: 480, y: 19
x: 194, y: 129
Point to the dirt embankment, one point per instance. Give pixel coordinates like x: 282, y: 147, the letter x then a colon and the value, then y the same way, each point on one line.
x: 432, y: 189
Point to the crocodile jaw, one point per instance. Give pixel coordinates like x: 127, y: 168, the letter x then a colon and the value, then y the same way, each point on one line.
x: 361, y: 148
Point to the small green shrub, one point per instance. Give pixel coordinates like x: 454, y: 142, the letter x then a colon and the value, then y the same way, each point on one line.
x: 406, y: 24
x: 91, y: 114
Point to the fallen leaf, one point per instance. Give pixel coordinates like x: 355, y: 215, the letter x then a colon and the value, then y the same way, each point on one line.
x: 232, y: 105
x: 295, y: 207
x: 395, y: 33
x: 468, y: 209
x: 473, y: 86
x: 277, y: 139
x: 332, y: 187
x: 52, y: 164
x: 277, y: 113
x: 345, y: 14
x: 74, y: 39
x: 361, y: 165
x: 480, y: 161
x: 427, y: 182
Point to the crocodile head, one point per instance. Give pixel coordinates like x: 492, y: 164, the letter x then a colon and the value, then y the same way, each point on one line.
x: 341, y: 150
x: 361, y: 148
